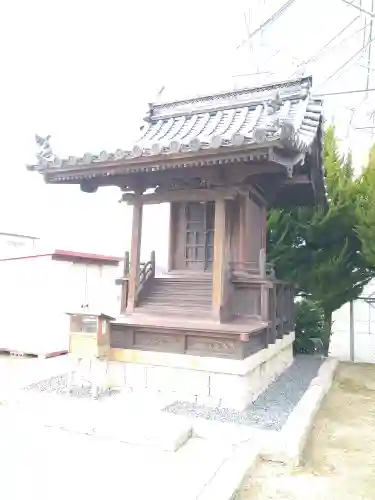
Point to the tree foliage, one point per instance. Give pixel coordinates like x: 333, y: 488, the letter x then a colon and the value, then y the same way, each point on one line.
x: 309, y: 326
x: 321, y: 249
x: 366, y: 208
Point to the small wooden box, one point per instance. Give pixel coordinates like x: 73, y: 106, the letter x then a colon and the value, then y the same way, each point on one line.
x: 89, y: 335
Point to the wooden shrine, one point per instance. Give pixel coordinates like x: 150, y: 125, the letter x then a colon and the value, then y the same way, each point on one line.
x: 220, y: 161
x: 89, y: 335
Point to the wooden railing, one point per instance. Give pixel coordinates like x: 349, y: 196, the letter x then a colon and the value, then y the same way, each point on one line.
x: 260, y: 268
x: 259, y: 294
x: 281, y: 309
x: 146, y: 273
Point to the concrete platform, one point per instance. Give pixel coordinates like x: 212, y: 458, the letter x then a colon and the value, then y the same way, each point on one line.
x: 49, y: 463
x: 120, y: 417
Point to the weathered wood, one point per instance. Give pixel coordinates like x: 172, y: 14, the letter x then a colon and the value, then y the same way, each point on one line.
x: 135, y: 254
x: 125, y: 283
x: 243, y: 229
x: 186, y: 337
x: 182, y: 195
x: 172, y: 236
x: 219, y: 271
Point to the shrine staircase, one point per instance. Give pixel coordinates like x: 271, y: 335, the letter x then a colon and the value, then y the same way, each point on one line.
x: 177, y: 294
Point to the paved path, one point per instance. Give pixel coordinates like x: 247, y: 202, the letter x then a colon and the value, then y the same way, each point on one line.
x: 45, y: 463
x: 49, y: 463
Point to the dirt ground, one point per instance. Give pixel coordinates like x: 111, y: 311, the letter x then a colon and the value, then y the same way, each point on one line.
x: 339, y: 460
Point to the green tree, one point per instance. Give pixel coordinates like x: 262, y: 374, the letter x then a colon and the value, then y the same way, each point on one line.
x: 366, y: 208
x: 320, y: 248
x: 309, y: 326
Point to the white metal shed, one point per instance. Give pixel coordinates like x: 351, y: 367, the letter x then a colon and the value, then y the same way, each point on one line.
x: 36, y: 291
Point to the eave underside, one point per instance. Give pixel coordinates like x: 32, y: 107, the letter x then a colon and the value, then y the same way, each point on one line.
x: 295, y: 181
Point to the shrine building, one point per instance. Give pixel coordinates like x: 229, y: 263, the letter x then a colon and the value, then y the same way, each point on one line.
x: 218, y: 326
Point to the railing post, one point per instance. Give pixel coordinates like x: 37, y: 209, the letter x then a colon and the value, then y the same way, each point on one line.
x: 262, y: 263
x: 274, y: 312
x: 125, y: 283
x: 153, y: 263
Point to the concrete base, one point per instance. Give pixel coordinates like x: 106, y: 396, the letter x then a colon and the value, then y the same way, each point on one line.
x: 207, y: 381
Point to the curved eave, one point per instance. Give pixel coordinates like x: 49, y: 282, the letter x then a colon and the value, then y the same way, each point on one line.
x: 222, y: 156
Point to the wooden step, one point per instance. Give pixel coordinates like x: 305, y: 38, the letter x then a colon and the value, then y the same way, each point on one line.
x: 175, y: 303
x: 184, y: 282
x: 178, y: 292
x: 169, y: 286
x: 174, y: 311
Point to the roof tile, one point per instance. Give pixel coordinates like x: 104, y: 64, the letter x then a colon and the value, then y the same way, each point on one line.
x: 280, y: 114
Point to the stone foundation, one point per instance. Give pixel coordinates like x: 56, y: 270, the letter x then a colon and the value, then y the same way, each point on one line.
x: 207, y: 381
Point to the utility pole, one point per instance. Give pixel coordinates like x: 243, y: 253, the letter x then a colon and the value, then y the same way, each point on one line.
x: 352, y: 333
x: 369, y: 59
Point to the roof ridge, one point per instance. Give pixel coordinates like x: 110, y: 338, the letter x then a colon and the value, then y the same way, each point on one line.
x: 304, y: 82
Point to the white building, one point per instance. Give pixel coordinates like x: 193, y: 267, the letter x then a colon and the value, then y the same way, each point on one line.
x: 12, y: 244
x: 364, y: 329
x: 39, y: 285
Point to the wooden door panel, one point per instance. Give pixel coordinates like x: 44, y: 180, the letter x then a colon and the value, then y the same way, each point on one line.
x: 193, y: 226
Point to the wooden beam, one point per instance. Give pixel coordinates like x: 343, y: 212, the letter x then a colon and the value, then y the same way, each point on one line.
x: 182, y: 195
x: 296, y: 180
x: 244, y: 226
x: 219, y: 264
x: 135, y: 254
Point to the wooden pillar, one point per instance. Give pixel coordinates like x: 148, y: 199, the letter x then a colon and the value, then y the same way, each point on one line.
x: 264, y: 227
x: 244, y: 227
x: 135, y: 255
x: 171, y: 246
x: 219, y: 268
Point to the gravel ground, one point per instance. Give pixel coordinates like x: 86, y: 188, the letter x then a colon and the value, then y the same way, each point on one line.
x: 272, y: 408
x: 58, y: 385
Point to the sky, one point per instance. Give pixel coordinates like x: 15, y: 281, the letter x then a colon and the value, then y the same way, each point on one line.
x: 84, y: 71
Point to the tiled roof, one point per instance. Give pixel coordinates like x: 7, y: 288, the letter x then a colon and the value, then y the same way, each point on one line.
x: 283, y: 114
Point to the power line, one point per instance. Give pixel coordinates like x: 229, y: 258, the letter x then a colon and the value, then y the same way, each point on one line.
x: 343, y: 92
x: 351, y: 59
x: 276, y: 15
x: 316, y: 55
x: 361, y: 9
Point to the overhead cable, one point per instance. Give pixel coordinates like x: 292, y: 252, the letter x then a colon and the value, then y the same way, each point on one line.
x: 268, y: 21
x: 342, y: 92
x: 319, y: 52
x: 361, y: 9
x: 351, y: 59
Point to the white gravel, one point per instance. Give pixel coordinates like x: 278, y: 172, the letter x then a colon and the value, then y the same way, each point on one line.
x: 59, y: 385
x: 273, y: 406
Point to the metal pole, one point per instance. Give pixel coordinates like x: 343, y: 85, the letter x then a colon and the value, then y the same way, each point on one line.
x: 369, y: 53
x: 352, y: 332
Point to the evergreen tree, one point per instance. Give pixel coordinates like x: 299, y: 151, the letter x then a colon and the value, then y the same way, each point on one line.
x: 366, y: 208
x: 320, y: 248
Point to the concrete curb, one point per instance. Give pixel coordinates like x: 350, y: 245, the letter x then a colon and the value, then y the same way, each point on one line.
x: 289, y: 446
x: 286, y: 446
x: 227, y: 481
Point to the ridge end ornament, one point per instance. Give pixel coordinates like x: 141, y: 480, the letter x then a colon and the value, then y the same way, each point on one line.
x: 45, y: 154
